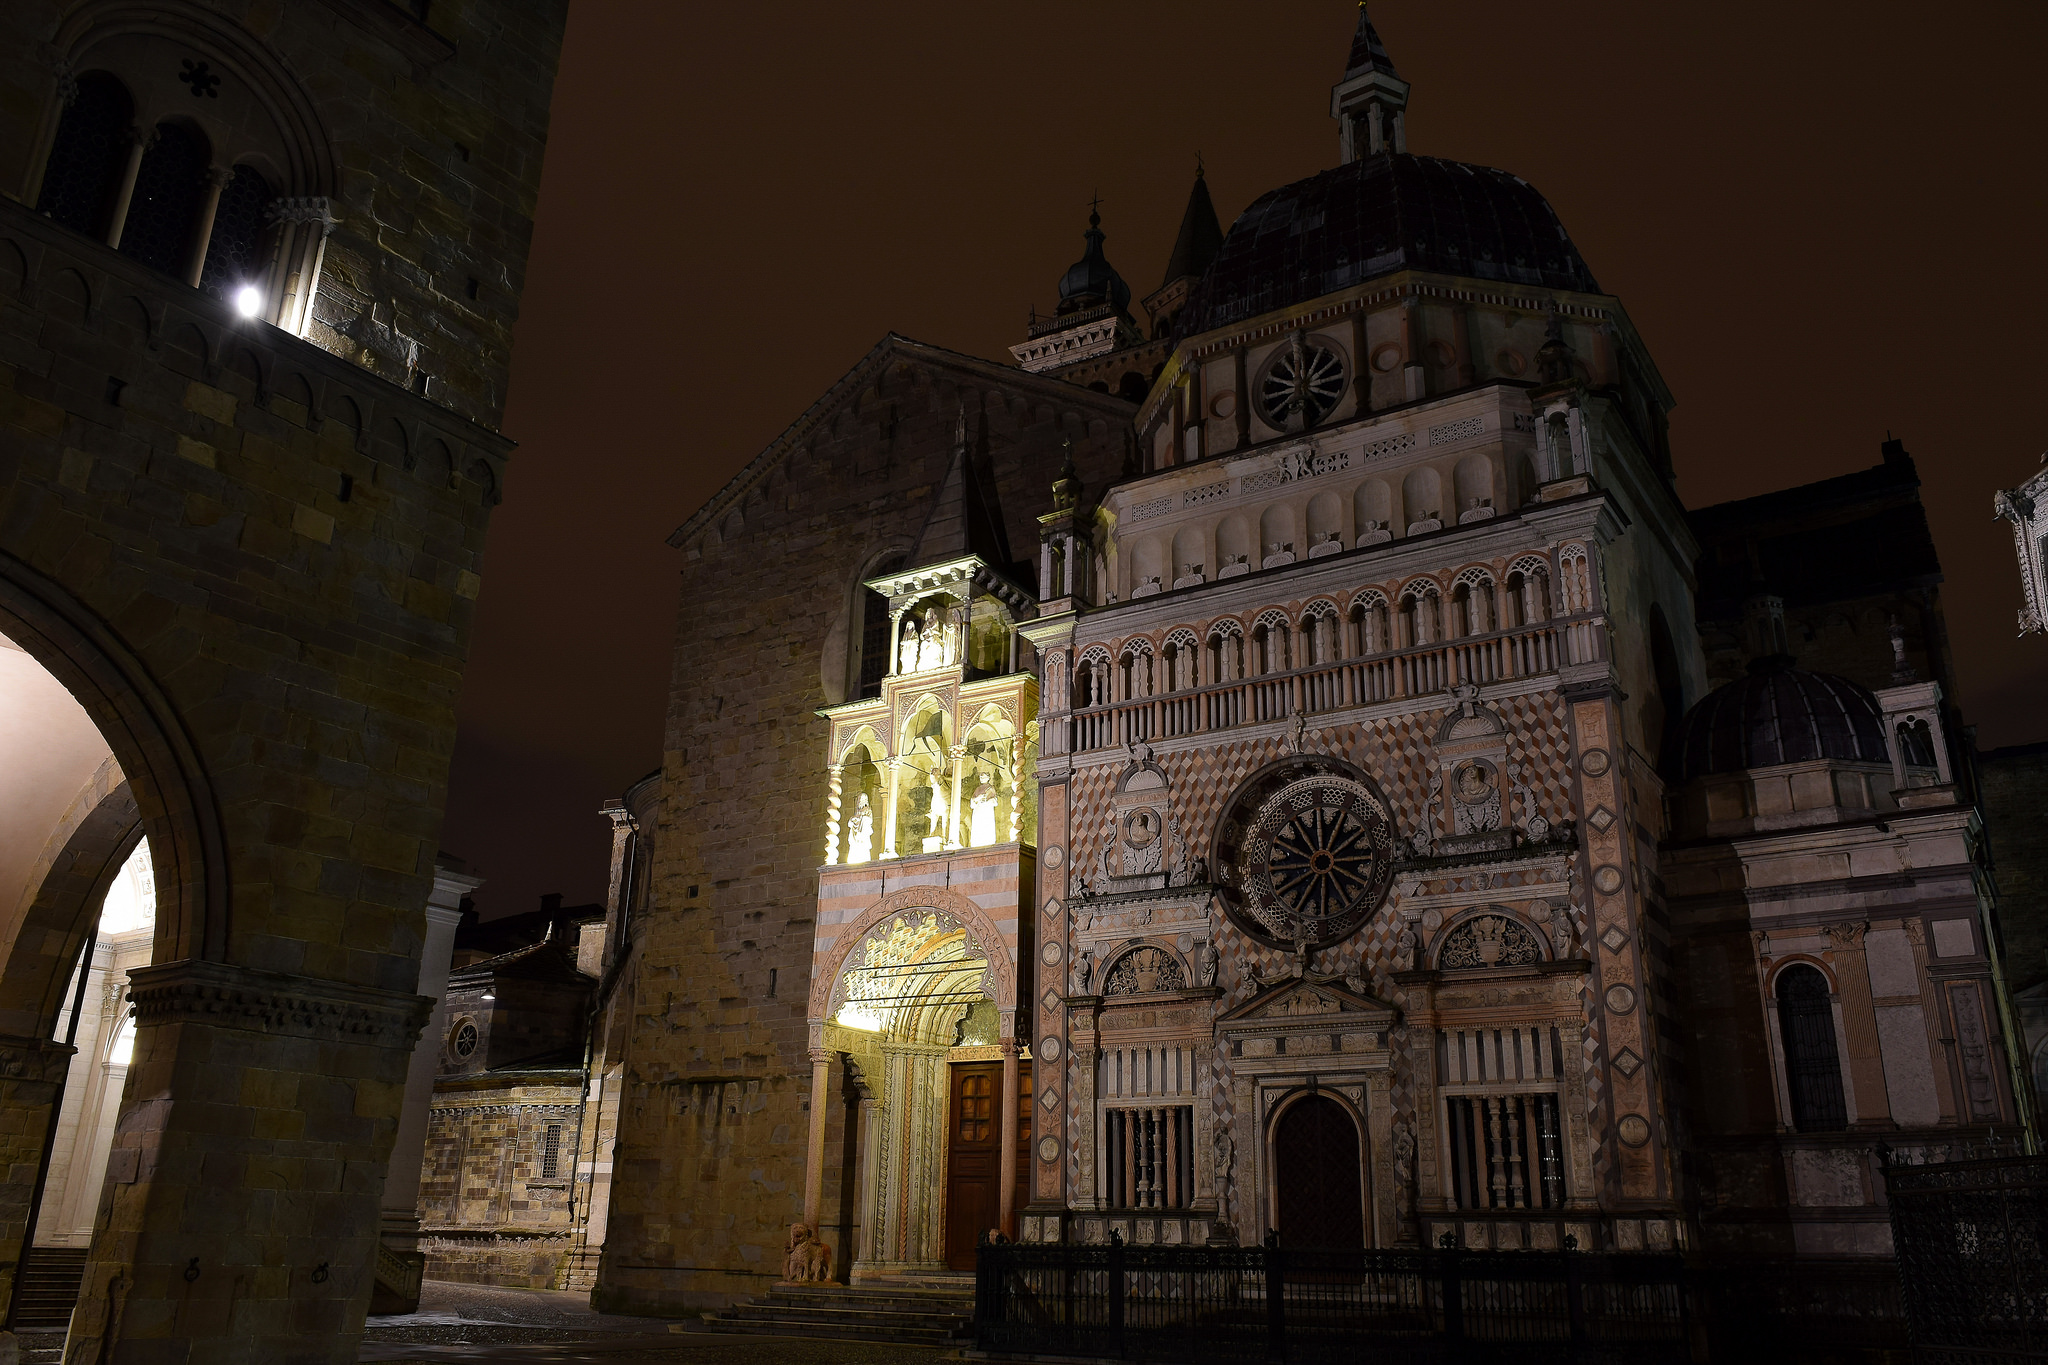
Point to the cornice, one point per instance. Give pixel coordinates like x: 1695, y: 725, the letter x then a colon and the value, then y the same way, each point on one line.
x: 227, y: 996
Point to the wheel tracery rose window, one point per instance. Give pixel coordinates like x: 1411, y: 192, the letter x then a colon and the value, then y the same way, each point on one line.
x: 1302, y: 385
x: 1307, y: 857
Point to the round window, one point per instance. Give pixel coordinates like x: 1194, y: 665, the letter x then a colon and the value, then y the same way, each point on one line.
x: 463, y: 1042
x: 1306, y: 855
x: 1301, y: 385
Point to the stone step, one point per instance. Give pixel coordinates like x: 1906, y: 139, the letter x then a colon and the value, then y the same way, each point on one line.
x: 829, y: 1331
x: 900, y: 1313
x: 894, y: 1302
x: 852, y: 1315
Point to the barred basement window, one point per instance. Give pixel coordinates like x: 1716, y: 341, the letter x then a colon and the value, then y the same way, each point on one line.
x: 1813, y: 1069
x: 1149, y: 1157
x: 1502, y: 1121
x: 550, y: 1151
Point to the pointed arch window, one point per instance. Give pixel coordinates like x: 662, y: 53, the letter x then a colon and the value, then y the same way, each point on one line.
x: 1813, y: 1067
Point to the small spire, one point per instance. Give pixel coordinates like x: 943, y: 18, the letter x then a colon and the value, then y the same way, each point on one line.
x: 1370, y: 103
x: 1201, y: 233
x: 1368, y: 53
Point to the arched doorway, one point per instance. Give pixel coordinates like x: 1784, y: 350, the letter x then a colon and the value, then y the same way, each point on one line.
x: 918, y: 1007
x: 1318, y: 1194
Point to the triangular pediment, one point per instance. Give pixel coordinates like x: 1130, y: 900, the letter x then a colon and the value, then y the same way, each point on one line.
x: 1302, y: 1000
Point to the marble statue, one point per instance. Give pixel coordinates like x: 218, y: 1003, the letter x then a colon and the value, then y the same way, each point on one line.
x: 860, y: 832
x: 1084, y: 968
x: 907, y: 649
x: 1208, y: 968
x: 981, y: 819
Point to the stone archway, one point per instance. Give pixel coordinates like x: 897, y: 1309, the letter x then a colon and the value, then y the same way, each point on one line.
x: 887, y: 992
x: 33, y: 1061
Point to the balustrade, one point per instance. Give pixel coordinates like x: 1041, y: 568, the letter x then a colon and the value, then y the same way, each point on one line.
x: 1415, y: 672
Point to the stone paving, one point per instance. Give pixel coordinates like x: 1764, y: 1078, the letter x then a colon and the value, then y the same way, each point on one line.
x: 461, y: 1322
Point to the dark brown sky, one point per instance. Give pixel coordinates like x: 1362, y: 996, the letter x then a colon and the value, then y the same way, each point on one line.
x: 1827, y: 221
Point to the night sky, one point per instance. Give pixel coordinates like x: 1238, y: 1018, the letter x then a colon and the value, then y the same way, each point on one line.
x: 1826, y: 221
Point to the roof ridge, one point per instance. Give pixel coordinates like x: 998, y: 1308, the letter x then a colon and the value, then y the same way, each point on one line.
x: 785, y: 442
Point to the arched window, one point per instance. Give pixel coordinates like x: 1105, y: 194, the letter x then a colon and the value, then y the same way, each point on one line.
x: 1813, y: 1069
x: 163, y: 215
x: 234, y: 256
x: 90, y: 155
x: 1916, y: 743
x: 874, y: 632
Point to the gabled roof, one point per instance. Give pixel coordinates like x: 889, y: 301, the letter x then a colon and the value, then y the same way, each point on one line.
x: 849, y: 385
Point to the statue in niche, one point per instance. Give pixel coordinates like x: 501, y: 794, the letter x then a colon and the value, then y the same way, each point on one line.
x: 1144, y: 850
x: 907, y: 648
x: 1084, y: 969
x: 1226, y: 1156
x: 1209, y: 962
x: 860, y: 832
x: 981, y: 820
x: 1404, y: 951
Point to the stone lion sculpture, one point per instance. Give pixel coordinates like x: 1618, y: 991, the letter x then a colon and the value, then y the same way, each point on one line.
x: 808, y: 1258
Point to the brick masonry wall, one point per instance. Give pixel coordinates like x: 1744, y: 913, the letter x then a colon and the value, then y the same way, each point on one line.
x: 709, y: 1168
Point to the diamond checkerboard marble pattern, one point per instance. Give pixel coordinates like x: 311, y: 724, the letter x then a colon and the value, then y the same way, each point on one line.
x: 1398, y: 753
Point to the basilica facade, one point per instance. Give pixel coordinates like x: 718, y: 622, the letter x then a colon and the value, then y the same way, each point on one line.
x: 1271, y: 770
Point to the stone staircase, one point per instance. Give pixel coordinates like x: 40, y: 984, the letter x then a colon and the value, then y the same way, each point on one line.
x: 934, y: 1311
x: 48, y: 1289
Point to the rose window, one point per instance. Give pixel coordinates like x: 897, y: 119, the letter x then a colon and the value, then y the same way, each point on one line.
x: 1306, y: 857
x: 465, y: 1039
x: 1302, y: 386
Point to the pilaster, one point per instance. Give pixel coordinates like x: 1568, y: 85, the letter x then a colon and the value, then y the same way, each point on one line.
x: 241, y: 1207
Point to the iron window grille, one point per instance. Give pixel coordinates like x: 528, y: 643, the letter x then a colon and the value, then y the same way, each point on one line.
x: 1503, y: 1124
x: 1813, y: 1068
x: 550, y: 1151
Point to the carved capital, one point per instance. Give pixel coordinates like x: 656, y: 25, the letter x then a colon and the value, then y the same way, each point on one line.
x: 1847, y: 935
x: 226, y: 996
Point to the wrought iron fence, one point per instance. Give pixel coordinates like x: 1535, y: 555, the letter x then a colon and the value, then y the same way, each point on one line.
x: 1228, y: 1303
x: 1972, y: 1243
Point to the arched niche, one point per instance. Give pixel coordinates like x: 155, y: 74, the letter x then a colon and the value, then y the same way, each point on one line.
x: 924, y: 779
x: 988, y: 789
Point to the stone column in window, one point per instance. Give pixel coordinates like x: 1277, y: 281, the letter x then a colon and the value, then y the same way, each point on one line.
x: 958, y: 753
x: 139, y: 142
x: 216, y: 180
x: 888, y: 849
x: 833, y: 782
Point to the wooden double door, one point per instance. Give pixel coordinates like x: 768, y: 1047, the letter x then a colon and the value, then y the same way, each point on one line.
x: 974, y: 1155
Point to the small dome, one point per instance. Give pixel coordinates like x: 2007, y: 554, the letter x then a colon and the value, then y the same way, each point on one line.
x: 1387, y: 212
x: 1780, y: 715
x: 1092, y: 281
